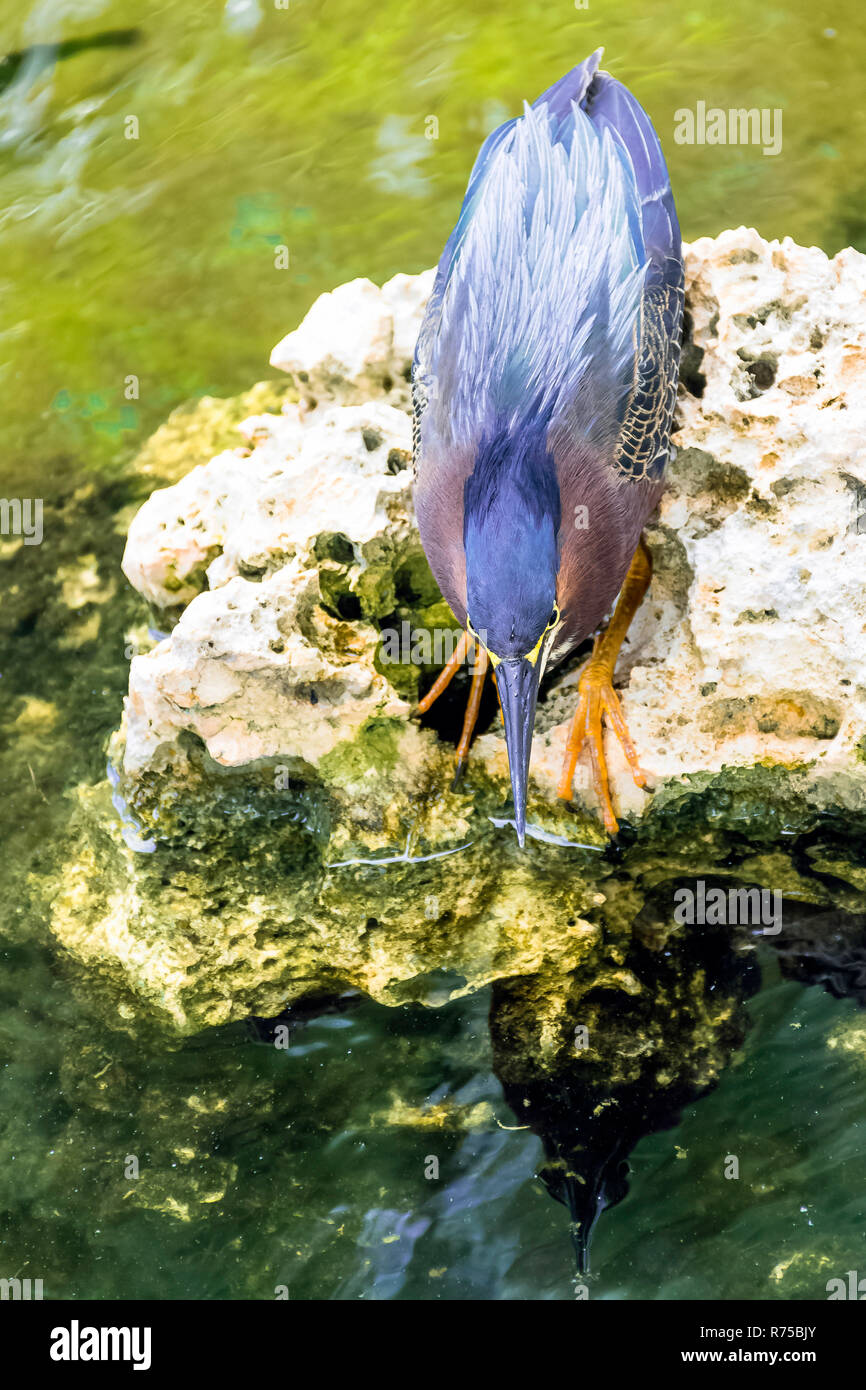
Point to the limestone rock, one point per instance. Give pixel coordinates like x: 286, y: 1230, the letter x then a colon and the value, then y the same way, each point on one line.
x: 287, y: 829
x: 357, y: 337
x: 751, y: 643
x: 256, y: 655
x: 241, y: 672
x: 250, y: 511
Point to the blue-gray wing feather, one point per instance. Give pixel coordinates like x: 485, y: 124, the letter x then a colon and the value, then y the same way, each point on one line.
x: 643, y: 443
x: 559, y: 291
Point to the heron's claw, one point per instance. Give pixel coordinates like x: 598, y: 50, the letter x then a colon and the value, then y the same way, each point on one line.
x: 597, y: 700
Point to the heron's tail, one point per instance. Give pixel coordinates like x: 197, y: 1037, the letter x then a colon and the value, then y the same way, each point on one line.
x: 573, y: 87
x: 611, y: 106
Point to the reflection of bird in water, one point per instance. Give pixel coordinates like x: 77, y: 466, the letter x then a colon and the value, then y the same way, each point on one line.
x: 649, y: 1050
x: 544, y: 385
x: 587, y: 1198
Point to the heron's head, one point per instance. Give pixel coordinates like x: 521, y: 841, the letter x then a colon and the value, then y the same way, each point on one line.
x: 510, y: 534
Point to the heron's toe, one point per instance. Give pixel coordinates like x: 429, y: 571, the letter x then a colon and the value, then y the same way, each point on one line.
x: 598, y: 703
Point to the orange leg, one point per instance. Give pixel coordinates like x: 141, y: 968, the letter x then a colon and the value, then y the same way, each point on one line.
x: 598, y: 699
x: 473, y: 705
x: 446, y: 675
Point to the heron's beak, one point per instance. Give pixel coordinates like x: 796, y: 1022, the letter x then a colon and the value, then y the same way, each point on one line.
x: 517, y: 682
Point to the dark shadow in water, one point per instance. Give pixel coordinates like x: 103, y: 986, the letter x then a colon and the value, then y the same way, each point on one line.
x: 265, y: 1030
x: 828, y: 949
x: 39, y: 57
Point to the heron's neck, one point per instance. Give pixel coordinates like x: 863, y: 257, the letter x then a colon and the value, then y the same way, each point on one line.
x: 513, y: 477
x: 510, y: 534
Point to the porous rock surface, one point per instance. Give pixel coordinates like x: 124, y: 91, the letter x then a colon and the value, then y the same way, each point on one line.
x: 286, y: 827
x: 750, y: 645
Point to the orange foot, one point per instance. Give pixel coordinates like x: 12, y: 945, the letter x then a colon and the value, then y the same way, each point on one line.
x: 597, y: 699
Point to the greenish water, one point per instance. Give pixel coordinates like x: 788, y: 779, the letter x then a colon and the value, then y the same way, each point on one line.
x: 154, y: 257
x: 306, y: 127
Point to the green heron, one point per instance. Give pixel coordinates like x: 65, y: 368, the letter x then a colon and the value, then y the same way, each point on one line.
x: 544, y: 385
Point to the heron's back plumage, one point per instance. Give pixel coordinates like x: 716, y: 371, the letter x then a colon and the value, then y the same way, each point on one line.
x: 556, y: 305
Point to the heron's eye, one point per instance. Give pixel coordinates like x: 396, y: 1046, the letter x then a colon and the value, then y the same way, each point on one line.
x: 554, y: 617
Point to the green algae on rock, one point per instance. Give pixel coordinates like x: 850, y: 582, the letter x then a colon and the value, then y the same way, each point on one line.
x: 196, y: 431
x: 270, y: 896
